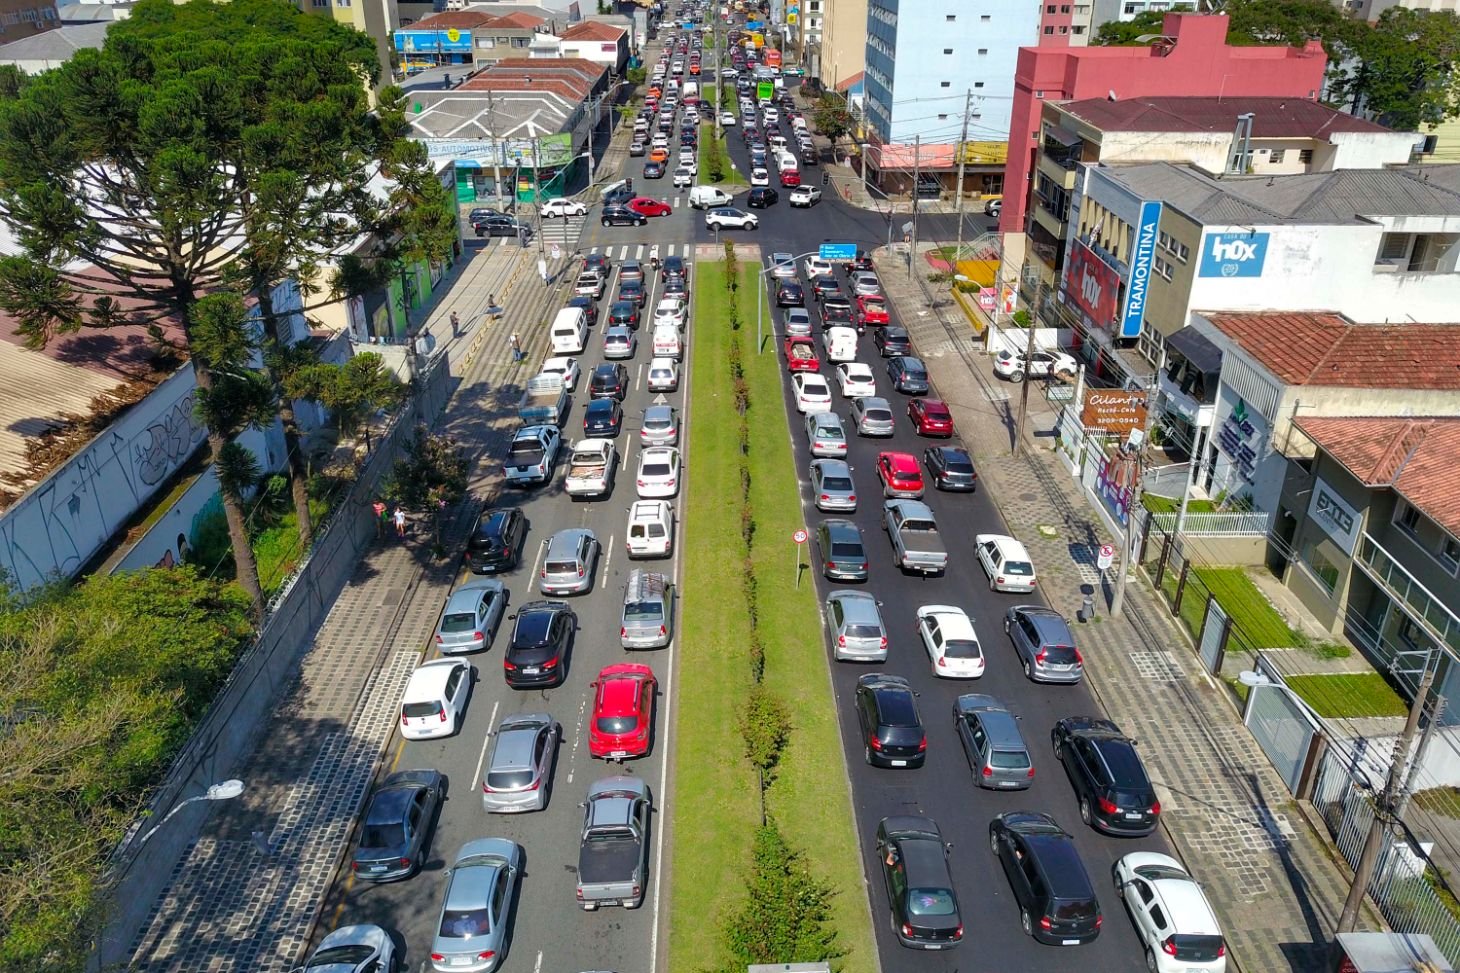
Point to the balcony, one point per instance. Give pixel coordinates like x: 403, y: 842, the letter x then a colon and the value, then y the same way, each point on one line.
x: 1422, y: 607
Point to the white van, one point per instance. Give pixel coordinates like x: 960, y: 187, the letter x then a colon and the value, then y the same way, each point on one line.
x: 569, y: 333
x: 841, y: 343
x: 786, y: 162
x: 708, y: 197
x: 666, y: 341
x: 777, y: 143
x: 691, y: 91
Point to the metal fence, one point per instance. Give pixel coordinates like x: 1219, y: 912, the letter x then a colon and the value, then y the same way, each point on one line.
x: 1216, y: 524
x: 1404, y: 884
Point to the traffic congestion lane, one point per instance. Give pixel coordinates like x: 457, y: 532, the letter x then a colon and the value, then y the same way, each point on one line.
x: 943, y: 789
x: 548, y: 927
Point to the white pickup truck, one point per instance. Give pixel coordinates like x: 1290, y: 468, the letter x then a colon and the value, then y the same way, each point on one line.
x: 591, y: 468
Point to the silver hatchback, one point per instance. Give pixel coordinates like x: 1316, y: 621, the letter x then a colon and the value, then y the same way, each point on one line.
x: 569, y: 559
x: 520, y: 770
x: 472, y: 616
x: 872, y: 416
x: 831, y: 485
x: 648, y: 614
x: 855, y: 625
x: 660, y: 426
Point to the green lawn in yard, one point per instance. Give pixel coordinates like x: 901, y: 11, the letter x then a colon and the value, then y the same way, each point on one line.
x: 1170, y: 505
x: 1348, y: 694
x: 1262, y: 627
x: 715, y: 801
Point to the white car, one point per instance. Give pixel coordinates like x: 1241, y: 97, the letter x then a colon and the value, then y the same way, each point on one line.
x: 826, y: 435
x: 651, y: 529
x: 772, y: 115
x: 805, y: 196
x: 760, y: 177
x: 812, y: 393
x: 564, y: 366
x: 658, y: 475
x: 684, y: 177
x: 1171, y: 914
x: 815, y: 266
x: 1010, y: 365
x: 727, y: 118
x: 563, y: 207
x: 669, y: 311
x: 663, y: 375
x: 952, y: 644
x: 728, y: 216
x: 783, y: 265
x: 659, y: 141
x: 434, y: 702
x: 855, y: 380
x: 687, y: 158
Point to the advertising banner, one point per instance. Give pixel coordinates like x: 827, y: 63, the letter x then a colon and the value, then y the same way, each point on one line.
x: 550, y: 150
x: 1115, y: 410
x: 1233, y: 255
x: 449, y: 41
x: 1138, y: 285
x: 1092, y: 285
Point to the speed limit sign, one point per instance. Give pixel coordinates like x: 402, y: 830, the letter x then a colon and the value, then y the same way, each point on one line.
x: 800, y: 536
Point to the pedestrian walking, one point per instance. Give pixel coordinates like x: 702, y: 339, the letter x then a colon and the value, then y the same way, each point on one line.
x: 400, y: 522
x: 492, y: 307
x: 455, y: 325
x: 516, y: 348
x: 379, y: 508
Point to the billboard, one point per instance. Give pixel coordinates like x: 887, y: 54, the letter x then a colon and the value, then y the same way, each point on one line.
x: 1233, y: 255
x: 550, y: 150
x: 1092, y: 285
x: 1138, y: 284
x: 448, y: 41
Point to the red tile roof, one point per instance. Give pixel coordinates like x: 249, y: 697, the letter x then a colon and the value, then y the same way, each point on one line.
x: 522, y: 19
x: 593, y: 30
x: 585, y: 67
x: 1273, y: 118
x: 1326, y: 349
x: 461, y: 19
x: 1413, y: 457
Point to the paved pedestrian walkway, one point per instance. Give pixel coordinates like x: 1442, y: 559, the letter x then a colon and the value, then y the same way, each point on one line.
x: 1272, y: 880
x: 246, y: 895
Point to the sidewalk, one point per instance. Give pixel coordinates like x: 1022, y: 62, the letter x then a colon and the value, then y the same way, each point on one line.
x: 1274, y: 883
x: 246, y: 894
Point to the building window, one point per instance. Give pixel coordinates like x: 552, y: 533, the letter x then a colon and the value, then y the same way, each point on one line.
x: 1276, y: 156
x: 1414, y: 638
x: 945, y: 84
x: 1079, y: 29
x: 985, y: 18
x: 520, y: 41
x: 1406, y: 518
x: 1449, y: 554
x: 1305, y: 156
x: 1064, y: 8
x: 982, y: 51
x: 951, y: 17
x: 1049, y: 8
x: 1130, y: 8
x: 1064, y: 30
x: 942, y: 118
x: 1323, y: 570
x: 978, y: 84
x: 947, y: 50
x: 1162, y: 268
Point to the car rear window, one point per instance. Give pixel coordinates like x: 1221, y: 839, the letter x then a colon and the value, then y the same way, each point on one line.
x: 1197, y: 949
x: 382, y: 836
x: 458, y: 622
x: 1070, y: 909
x: 1010, y: 759
x: 1021, y: 569
x: 656, y: 469
x: 561, y: 567
x: 635, y: 610
x: 846, y: 550
x: 616, y: 724
x: 466, y: 923
x: 509, y: 780
x: 962, y: 649
x: 897, y: 709
x: 418, y: 711
x: 880, y: 415
x: 916, y: 371
x: 930, y: 902
x: 836, y: 483
x: 864, y: 631
x: 1060, y: 655
x: 526, y: 453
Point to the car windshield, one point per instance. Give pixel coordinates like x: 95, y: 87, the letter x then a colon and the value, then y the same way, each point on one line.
x: 465, y: 924
x: 347, y: 956
x: 458, y: 622
x: 930, y: 902
x: 509, y: 780
x: 616, y: 724
x: 1010, y: 759
x: 1020, y: 569
x: 846, y: 550
x: 836, y: 483
x: 382, y: 836
x: 962, y: 649
x: 418, y: 711
x: 637, y: 610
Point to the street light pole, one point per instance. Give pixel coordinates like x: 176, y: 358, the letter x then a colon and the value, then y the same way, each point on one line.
x: 223, y: 791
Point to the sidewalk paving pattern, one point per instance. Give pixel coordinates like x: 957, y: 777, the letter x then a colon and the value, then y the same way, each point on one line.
x: 1272, y: 881
x: 229, y: 906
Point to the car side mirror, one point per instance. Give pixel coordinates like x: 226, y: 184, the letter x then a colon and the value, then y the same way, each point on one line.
x: 947, y: 847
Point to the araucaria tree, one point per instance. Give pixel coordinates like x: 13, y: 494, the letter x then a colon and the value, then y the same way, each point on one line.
x: 206, y: 150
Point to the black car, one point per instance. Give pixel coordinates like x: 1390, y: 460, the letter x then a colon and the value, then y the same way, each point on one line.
x: 862, y: 261
x: 609, y: 381
x: 597, y: 263
x: 836, y: 310
x: 604, y: 419
x: 843, y: 556
x: 675, y: 287
x: 653, y: 170
x: 541, y: 639
x: 395, y: 831
x: 632, y: 291
x: 482, y: 212
x: 496, y: 541
x: 1110, y: 782
x: 909, y: 375
x: 1057, y: 903
x: 589, y: 306
x: 888, y: 713
x: 919, y: 886
x: 950, y: 468
x: 672, y: 267
x: 623, y: 314
x: 496, y: 226
x: 762, y: 196
x: 790, y: 294
x: 825, y: 285
x: 621, y: 216
x: 892, y: 340
x: 688, y: 138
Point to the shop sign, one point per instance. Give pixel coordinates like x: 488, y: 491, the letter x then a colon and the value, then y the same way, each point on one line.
x: 1116, y: 411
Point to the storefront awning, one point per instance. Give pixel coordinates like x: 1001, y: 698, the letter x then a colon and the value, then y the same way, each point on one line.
x: 1195, y: 348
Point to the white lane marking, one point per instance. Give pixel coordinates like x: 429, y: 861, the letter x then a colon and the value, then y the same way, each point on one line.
x: 638, y: 376
x: 639, y: 253
x: 486, y: 738
x: 577, y: 737
x: 608, y: 556
x: 624, y: 253
x: 537, y: 967
x: 537, y: 561
x: 593, y: 251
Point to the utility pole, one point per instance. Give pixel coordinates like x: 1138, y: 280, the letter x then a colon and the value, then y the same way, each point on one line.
x: 1386, y: 807
x: 497, y: 148
x: 962, y: 157
x: 912, y: 251
x: 537, y: 192
x: 1019, y: 446
x: 1437, y: 712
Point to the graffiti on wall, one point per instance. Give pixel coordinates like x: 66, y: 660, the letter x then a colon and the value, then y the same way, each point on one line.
x: 163, y: 445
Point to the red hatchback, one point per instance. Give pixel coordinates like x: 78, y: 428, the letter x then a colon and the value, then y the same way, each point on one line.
x: 645, y: 206
x: 900, y: 475
x: 790, y: 177
x: 872, y: 310
x: 623, y: 712
x: 930, y: 417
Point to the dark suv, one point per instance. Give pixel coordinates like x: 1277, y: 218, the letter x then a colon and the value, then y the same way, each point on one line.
x: 888, y: 712
x: 609, y: 381
x: 496, y: 542
x: 623, y: 314
x: 589, y: 306
x: 1115, y: 794
x: 1057, y: 904
x: 919, y: 886
x: 541, y: 638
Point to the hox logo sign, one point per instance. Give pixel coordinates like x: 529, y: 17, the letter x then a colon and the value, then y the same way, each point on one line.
x: 1233, y: 255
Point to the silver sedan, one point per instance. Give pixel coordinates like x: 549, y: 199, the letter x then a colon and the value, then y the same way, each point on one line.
x: 831, y: 485
x: 872, y: 416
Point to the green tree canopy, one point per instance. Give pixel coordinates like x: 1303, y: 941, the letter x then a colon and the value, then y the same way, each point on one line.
x: 831, y: 117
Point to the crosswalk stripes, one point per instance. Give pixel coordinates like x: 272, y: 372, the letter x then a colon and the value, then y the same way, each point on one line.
x: 565, y: 230
x: 640, y: 251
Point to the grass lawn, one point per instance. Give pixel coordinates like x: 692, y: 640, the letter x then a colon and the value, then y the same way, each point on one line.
x: 1248, y: 607
x: 1348, y: 694
x: 715, y: 792
x: 1170, y: 505
x: 708, y: 144
x: 1439, y: 800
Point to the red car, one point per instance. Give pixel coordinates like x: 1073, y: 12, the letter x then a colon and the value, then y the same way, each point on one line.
x: 790, y: 177
x: 645, y: 206
x: 623, y: 711
x: 930, y: 417
x: 872, y: 310
x: 801, y: 354
x: 900, y: 475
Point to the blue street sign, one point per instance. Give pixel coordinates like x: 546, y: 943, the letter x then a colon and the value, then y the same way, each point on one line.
x: 838, y: 251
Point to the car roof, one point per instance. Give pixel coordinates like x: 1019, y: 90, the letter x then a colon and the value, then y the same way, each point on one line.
x: 842, y: 531
x: 659, y: 412
x: 1187, y: 907
x: 832, y: 467
x: 646, y: 585
x: 954, y: 623
x: 925, y: 862
x: 515, y: 746
x: 389, y: 804
x: 953, y: 452
x: 618, y: 693
x: 902, y: 462
x: 1009, y: 545
x: 601, y: 405
x: 466, y: 597
x: 913, y: 508
x: 565, y: 541
x: 1000, y: 725
x: 1050, y: 624
x: 1059, y: 859
x: 428, y: 680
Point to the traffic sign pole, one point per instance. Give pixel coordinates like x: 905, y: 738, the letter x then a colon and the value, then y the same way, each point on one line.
x: 800, y: 538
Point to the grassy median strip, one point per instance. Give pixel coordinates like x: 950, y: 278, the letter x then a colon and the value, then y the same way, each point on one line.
x: 716, y: 791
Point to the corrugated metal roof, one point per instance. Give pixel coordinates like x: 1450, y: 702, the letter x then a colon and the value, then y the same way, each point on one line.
x: 1272, y: 117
